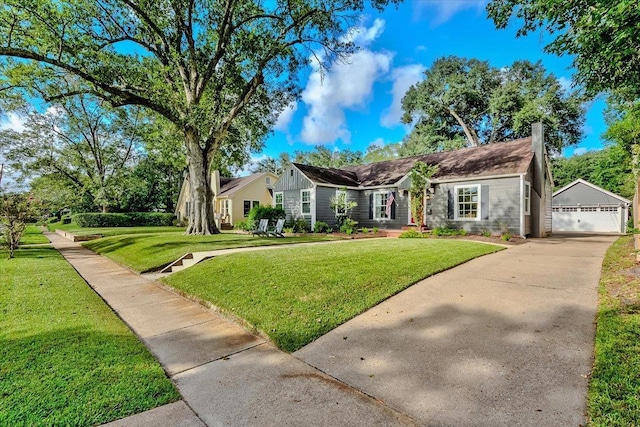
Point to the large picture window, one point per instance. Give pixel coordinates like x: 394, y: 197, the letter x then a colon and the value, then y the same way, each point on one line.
x: 467, y: 202
x: 278, y: 200
x: 305, y: 197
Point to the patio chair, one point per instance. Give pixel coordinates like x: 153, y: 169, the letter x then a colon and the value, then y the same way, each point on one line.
x: 277, y: 230
x: 262, y: 228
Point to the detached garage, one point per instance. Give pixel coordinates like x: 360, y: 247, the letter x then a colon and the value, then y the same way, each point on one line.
x: 586, y: 208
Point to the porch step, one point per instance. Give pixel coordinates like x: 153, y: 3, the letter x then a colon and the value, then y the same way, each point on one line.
x: 187, y: 260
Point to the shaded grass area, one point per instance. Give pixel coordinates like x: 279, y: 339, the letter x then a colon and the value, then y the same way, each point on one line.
x: 33, y: 236
x: 65, y: 357
x: 111, y: 231
x: 295, y: 295
x: 615, y: 381
x: 148, y: 252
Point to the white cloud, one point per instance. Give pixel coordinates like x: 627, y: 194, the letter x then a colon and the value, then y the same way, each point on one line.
x: 579, y: 151
x: 347, y: 85
x: 565, y: 83
x: 378, y: 143
x: 403, y: 78
x: 363, y: 36
x: 440, y: 11
x: 285, y: 117
x: 14, y: 122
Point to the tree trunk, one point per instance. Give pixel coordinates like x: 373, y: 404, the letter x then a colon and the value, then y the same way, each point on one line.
x: 201, y: 197
x: 472, y: 138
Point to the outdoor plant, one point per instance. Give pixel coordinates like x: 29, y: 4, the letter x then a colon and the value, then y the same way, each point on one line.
x: 445, y: 231
x: 342, y: 206
x: 348, y: 226
x: 411, y: 234
x: 365, y: 230
x: 485, y: 233
x: 243, y: 225
x: 462, y: 232
x: 15, y: 212
x: 288, y: 230
x: 271, y: 213
x: 321, y: 227
x: 420, y: 175
x: 300, y: 226
x: 506, y: 236
x: 375, y: 230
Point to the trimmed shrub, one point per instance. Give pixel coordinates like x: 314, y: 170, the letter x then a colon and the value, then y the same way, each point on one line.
x: 265, y: 212
x: 411, y: 234
x: 299, y: 226
x: 321, y: 227
x: 129, y: 219
x: 243, y: 225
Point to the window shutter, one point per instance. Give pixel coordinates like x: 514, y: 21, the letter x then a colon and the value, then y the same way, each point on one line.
x: 393, y: 205
x: 450, y: 204
x: 371, y: 206
x: 484, y: 202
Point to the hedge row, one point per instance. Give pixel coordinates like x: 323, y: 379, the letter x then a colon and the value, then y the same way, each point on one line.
x: 130, y: 219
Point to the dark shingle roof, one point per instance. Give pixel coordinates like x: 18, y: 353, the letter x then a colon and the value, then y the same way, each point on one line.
x: 502, y: 158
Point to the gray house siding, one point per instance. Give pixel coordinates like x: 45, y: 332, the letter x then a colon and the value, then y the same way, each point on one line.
x: 323, y: 198
x: 292, y: 179
x: 527, y: 218
x: 584, y: 195
x: 500, y: 206
x: 400, y: 210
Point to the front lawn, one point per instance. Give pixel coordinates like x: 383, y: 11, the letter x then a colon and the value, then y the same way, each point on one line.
x: 148, y: 252
x: 65, y: 358
x: 295, y: 295
x: 32, y: 236
x: 615, y: 381
x: 112, y: 231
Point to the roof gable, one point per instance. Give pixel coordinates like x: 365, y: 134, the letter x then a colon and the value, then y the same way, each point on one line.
x: 502, y: 158
x: 228, y: 186
x: 585, y: 189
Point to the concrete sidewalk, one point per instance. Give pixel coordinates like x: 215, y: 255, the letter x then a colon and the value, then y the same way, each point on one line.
x: 503, y: 340
x: 225, y: 375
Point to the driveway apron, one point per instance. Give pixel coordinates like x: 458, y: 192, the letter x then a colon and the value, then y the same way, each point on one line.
x: 506, y: 339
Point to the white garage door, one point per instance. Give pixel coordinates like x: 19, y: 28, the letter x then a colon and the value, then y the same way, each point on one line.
x: 602, y: 219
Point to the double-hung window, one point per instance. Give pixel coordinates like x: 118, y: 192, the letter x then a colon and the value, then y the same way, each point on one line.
x: 380, y: 205
x: 467, y: 202
x: 248, y: 205
x: 278, y: 200
x: 305, y: 198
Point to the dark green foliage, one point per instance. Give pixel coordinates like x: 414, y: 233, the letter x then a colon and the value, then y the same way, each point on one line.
x: 130, y: 219
x: 601, y: 37
x: 265, y: 212
x: 445, y: 231
x: 469, y: 100
x: 244, y: 225
x: 299, y: 226
x: 321, y: 227
x: 323, y: 157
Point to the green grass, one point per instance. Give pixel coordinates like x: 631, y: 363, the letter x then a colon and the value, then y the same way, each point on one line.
x: 148, y: 252
x: 112, y: 231
x: 296, y: 295
x: 32, y: 236
x: 65, y: 357
x: 615, y: 381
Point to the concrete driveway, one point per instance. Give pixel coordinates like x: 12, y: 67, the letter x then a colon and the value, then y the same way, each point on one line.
x: 505, y: 339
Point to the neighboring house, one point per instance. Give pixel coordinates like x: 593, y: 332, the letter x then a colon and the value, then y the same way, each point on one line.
x: 496, y: 187
x: 585, y: 207
x: 233, y: 197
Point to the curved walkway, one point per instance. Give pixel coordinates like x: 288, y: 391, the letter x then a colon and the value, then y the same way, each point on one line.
x: 505, y: 339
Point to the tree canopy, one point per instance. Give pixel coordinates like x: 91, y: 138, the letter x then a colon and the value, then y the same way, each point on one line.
x: 219, y: 70
x: 602, y: 36
x: 468, y: 102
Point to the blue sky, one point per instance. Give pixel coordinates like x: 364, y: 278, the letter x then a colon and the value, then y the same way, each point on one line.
x: 358, y: 104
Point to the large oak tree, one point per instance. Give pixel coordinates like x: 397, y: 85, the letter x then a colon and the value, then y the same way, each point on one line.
x: 220, y: 70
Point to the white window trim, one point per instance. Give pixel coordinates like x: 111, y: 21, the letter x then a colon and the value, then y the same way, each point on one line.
x: 251, y: 205
x: 374, y: 207
x: 275, y: 195
x: 527, y: 198
x: 302, y: 203
x: 456, y: 216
